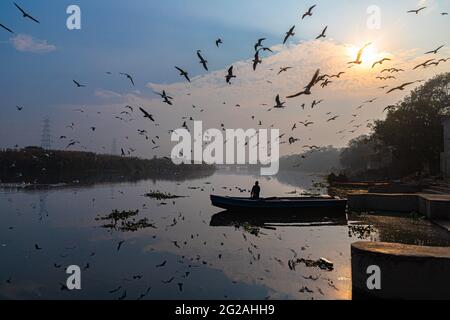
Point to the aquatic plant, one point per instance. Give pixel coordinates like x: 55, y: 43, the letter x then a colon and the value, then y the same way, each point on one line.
x: 123, y: 221
x: 161, y: 195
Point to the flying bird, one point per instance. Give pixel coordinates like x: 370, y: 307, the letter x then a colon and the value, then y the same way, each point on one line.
x: 307, y: 123
x: 279, y: 104
x: 290, y: 33
x: 202, y: 60
x: 416, y: 11
x: 402, y: 87
x: 284, y: 69
x: 326, y: 83
x: 380, y: 62
x: 166, y: 99
x: 183, y: 73
x: 256, y: 60
x: 322, y: 35
x: 424, y: 64
x: 360, y: 52
x: 316, y: 103
x: 435, y: 51
x: 146, y: 114
x: 386, y: 78
x: 308, y: 88
x: 332, y: 119
x: 230, y: 75
x: 218, y: 42
x: 78, y: 84
x: 6, y: 28
x: 25, y: 14
x: 129, y: 77
x: 259, y: 43
x: 309, y: 12
x: 337, y: 75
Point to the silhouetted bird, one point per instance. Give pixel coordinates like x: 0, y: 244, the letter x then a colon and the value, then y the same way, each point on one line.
x: 6, y: 28
x: 202, y: 60
x: 129, y: 77
x: 290, y: 33
x: 416, y: 11
x: 78, y: 84
x: 323, y: 34
x: 308, y: 88
x: 183, y: 73
x: 230, y: 75
x: 25, y: 14
x: 309, y: 12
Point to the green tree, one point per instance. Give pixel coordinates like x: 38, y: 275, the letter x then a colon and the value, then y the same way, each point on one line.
x: 413, y: 131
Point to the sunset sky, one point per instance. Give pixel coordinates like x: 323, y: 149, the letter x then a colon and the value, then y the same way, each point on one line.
x: 147, y: 39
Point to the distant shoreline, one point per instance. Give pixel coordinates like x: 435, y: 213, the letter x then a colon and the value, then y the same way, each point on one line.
x: 36, y: 166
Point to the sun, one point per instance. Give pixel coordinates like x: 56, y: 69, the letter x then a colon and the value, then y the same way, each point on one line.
x: 369, y: 56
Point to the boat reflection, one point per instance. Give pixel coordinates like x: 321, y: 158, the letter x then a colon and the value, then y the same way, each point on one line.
x: 230, y: 219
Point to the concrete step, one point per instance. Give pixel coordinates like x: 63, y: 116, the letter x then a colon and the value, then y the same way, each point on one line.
x: 440, y: 184
x: 431, y: 191
x: 442, y: 190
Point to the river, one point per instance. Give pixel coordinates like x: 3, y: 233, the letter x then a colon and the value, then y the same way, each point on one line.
x: 186, y: 249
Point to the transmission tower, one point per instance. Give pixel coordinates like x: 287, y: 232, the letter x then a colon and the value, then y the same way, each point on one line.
x: 46, y: 137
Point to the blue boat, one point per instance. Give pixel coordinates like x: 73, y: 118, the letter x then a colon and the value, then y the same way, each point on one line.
x: 279, y: 205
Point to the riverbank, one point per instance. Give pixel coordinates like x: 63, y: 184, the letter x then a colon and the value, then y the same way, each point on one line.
x: 36, y: 166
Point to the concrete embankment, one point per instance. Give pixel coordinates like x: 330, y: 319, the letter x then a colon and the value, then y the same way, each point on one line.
x: 433, y: 206
x: 405, y: 271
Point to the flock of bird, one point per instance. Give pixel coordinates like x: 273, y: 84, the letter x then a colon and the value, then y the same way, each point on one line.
x: 318, y: 79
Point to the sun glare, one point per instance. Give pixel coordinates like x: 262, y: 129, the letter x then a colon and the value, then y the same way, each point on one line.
x: 369, y: 56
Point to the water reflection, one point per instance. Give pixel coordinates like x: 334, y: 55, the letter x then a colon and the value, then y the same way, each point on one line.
x: 316, y: 219
x: 176, y: 248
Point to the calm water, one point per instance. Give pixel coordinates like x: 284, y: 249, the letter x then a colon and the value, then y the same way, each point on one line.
x: 207, y: 255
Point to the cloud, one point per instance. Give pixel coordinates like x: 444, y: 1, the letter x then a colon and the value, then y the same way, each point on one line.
x: 210, y: 99
x: 255, y: 92
x: 26, y: 43
x: 107, y: 94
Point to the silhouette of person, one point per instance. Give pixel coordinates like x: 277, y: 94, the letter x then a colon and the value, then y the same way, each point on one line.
x: 255, y: 191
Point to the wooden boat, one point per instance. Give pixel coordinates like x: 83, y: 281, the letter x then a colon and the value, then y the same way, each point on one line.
x: 279, y: 204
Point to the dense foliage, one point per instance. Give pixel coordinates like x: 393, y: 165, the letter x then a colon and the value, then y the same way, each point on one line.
x: 411, y: 134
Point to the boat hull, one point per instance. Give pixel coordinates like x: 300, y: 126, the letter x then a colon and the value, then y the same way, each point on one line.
x: 279, y: 205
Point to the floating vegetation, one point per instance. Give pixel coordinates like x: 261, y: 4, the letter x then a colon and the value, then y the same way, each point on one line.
x: 124, y: 221
x: 322, y: 263
x: 161, y: 195
x: 251, y: 229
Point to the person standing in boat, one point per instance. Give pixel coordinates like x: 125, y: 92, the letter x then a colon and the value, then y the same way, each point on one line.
x: 255, y: 191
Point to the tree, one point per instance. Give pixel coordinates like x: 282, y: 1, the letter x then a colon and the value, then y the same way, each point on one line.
x: 356, y: 156
x: 413, y: 130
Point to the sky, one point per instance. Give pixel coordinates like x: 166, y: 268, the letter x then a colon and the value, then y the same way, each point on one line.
x: 146, y: 39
